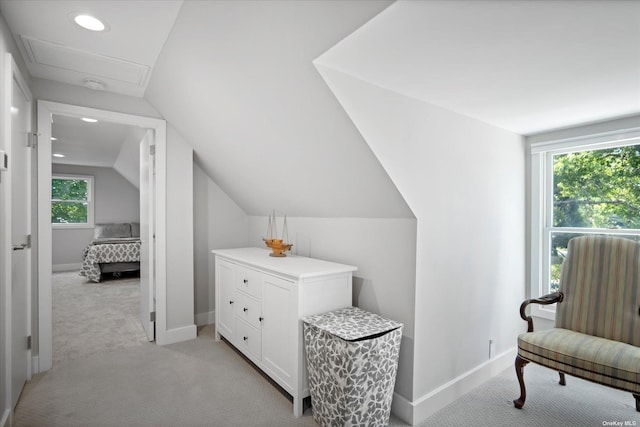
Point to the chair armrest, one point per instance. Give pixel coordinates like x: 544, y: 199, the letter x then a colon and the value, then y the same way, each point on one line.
x: 543, y: 300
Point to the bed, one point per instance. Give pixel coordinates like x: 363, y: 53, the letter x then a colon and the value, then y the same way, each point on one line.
x: 115, y: 248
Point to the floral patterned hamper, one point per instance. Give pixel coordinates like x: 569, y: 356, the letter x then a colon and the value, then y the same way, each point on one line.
x: 352, y: 359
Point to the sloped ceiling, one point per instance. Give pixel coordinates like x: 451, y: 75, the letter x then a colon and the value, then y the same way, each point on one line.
x: 524, y: 66
x: 236, y: 79
x: 91, y: 144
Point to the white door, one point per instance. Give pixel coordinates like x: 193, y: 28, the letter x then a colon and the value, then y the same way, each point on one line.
x: 147, y: 234
x: 226, y: 291
x: 20, y: 178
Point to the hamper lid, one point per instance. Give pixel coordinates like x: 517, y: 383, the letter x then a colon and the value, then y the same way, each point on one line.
x: 352, y: 323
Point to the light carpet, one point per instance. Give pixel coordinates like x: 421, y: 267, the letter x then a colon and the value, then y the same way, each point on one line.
x: 90, y: 318
x: 106, y: 374
x: 206, y: 383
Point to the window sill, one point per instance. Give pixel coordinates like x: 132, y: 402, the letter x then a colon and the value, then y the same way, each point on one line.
x: 71, y: 226
x: 544, y: 312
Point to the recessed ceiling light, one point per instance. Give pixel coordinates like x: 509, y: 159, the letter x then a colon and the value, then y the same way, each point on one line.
x: 94, y: 84
x: 88, y: 120
x: 53, y: 138
x: 58, y: 155
x: 89, y: 22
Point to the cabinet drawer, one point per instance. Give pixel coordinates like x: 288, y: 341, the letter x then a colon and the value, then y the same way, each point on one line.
x: 249, y: 339
x: 248, y: 309
x: 250, y: 281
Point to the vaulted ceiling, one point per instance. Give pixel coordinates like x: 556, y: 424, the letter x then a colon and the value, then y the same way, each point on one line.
x: 237, y: 78
x: 524, y: 66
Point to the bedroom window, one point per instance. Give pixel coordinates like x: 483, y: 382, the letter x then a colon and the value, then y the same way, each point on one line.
x: 581, y: 186
x: 72, y: 201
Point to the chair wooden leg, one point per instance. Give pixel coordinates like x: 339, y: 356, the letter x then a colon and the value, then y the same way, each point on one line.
x: 637, y: 396
x: 520, y: 364
x: 562, y: 379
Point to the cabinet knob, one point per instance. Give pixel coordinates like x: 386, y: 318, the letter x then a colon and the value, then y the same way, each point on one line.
x: 261, y: 318
x: 245, y: 338
x: 230, y: 302
x: 245, y: 309
x: 245, y: 281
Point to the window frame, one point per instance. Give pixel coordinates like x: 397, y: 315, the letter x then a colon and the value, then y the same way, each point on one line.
x: 90, y: 201
x: 541, y: 163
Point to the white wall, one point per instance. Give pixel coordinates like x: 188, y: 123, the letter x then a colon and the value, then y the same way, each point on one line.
x: 236, y: 79
x: 127, y: 163
x: 115, y: 200
x: 465, y: 182
x: 218, y: 223
x: 180, y: 284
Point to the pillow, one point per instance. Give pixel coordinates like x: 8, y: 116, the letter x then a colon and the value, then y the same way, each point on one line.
x: 112, y: 230
x: 135, y: 229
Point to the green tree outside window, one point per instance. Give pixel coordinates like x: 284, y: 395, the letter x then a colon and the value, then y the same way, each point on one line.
x: 598, y: 189
x: 70, y: 199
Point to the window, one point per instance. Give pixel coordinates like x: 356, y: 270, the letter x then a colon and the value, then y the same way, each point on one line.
x: 580, y: 186
x: 72, y: 201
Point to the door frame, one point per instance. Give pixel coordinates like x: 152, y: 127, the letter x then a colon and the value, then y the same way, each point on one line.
x: 45, y: 316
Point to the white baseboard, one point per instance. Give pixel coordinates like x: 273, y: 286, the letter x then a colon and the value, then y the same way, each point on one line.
x: 419, y: 410
x: 35, y: 365
x: 402, y: 408
x: 4, y: 422
x: 207, y: 318
x: 66, y: 267
x: 185, y: 333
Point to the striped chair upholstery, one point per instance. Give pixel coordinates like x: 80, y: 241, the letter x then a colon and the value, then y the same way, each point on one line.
x: 597, y: 330
x: 600, y: 282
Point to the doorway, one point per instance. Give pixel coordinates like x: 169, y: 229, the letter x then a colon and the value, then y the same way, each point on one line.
x: 47, y: 110
x: 96, y: 203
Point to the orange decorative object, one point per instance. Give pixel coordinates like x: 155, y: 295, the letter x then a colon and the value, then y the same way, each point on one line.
x: 278, y: 246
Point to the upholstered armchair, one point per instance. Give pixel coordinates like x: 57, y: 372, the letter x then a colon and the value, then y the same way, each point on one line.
x: 597, y: 328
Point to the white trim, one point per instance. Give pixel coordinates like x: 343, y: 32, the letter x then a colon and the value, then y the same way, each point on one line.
x: 160, y: 221
x: 437, y: 399
x: 541, y: 209
x: 5, y: 240
x: 35, y: 364
x: 66, y: 267
x: 184, y: 333
x: 402, y: 408
x: 4, y: 422
x: 45, y: 316
x: 595, y: 140
x: 207, y: 318
x: 45, y: 111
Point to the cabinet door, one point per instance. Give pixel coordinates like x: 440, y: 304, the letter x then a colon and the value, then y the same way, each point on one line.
x: 279, y: 328
x: 225, y: 274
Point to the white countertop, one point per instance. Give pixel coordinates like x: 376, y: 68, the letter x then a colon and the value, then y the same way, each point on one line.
x: 291, y: 265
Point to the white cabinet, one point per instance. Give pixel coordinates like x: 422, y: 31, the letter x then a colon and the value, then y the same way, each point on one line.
x: 259, y: 303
